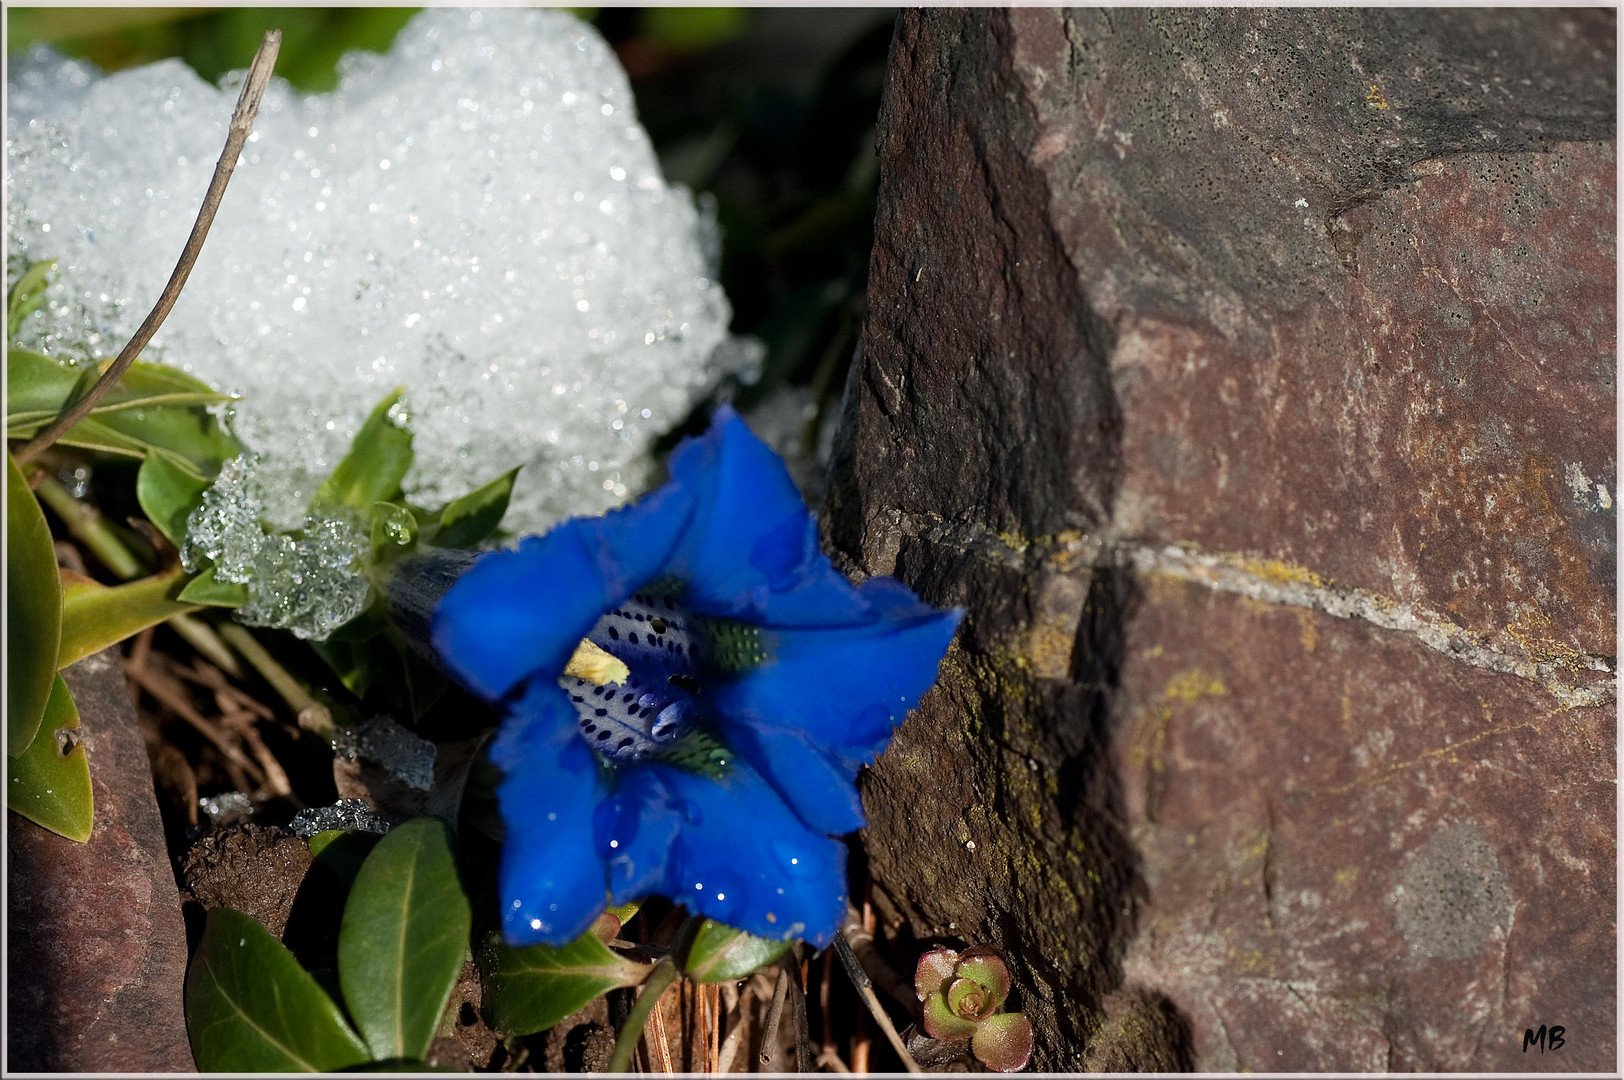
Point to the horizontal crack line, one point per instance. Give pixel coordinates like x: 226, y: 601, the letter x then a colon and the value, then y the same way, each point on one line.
x: 1294, y: 587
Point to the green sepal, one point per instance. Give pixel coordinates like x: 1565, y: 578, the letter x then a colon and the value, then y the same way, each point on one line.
x: 49, y: 787
x: 377, y: 462
x: 95, y: 616
x: 721, y: 953
x: 33, y: 612
x: 209, y: 591
x: 168, y: 491
x: 251, y: 1008
x: 532, y: 988
x: 472, y: 518
x: 404, y: 935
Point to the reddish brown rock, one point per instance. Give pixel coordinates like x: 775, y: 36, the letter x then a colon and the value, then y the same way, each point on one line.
x: 1249, y: 377
x: 96, y: 950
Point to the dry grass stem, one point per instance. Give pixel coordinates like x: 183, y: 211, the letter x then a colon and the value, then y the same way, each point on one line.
x: 170, y: 692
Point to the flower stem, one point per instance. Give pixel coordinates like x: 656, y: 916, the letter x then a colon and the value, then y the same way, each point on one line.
x: 663, y: 975
x: 313, y: 716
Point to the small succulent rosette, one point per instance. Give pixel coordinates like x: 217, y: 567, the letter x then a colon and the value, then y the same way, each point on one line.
x: 963, y: 993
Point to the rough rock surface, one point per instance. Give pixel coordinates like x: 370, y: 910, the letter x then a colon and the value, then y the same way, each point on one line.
x: 96, y: 950
x: 1250, y: 378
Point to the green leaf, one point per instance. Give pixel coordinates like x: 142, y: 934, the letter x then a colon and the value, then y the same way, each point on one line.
x: 392, y: 526
x: 402, y: 942
x: 210, y: 591
x: 532, y: 988
x: 47, y: 786
x: 153, y: 405
x: 721, y: 953
x: 95, y: 616
x: 343, y: 851
x: 251, y: 1008
x: 168, y: 492
x: 379, y: 457
x: 33, y: 612
x: 472, y: 518
x: 27, y: 295
x: 37, y: 384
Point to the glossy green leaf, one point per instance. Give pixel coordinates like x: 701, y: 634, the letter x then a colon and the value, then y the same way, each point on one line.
x: 532, y: 988
x: 27, y: 295
x: 378, y: 459
x: 168, y: 492
x: 721, y: 953
x: 209, y: 591
x: 402, y: 942
x: 95, y: 616
x: 251, y: 1008
x: 33, y: 612
x: 343, y: 851
x: 37, y: 384
x: 468, y: 520
x: 153, y: 405
x: 47, y: 786
x: 396, y: 1065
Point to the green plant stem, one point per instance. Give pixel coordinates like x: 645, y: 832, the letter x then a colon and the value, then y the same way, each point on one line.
x: 87, y: 525
x: 662, y: 976
x: 313, y: 716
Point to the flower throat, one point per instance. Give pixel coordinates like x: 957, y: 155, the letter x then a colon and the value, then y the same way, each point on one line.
x: 637, y: 682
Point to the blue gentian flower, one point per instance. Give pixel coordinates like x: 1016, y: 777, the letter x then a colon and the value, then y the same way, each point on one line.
x: 689, y: 690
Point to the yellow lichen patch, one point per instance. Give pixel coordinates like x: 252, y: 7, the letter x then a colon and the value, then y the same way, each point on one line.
x: 1281, y: 573
x: 596, y: 666
x: 1194, y: 684
x: 1309, y: 631
x: 1375, y: 98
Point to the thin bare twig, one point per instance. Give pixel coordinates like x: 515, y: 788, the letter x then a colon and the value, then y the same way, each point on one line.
x: 242, y: 123
x: 171, y: 693
x: 775, y: 1015
x: 865, y: 990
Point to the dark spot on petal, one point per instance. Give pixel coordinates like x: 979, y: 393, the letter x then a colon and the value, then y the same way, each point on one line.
x: 657, y: 624
x: 600, y: 712
x: 577, y: 698
x: 632, y: 638
x: 684, y: 682
x: 602, y: 735
x: 623, y: 743
x: 614, y: 635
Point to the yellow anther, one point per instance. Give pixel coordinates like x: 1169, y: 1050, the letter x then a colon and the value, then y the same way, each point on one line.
x: 596, y: 666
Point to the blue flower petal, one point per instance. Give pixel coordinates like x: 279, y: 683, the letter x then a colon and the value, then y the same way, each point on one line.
x: 551, y: 881
x: 522, y: 611
x: 637, y: 829
x: 740, y: 855
x: 845, y: 690
x: 821, y: 789
x: 751, y: 552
